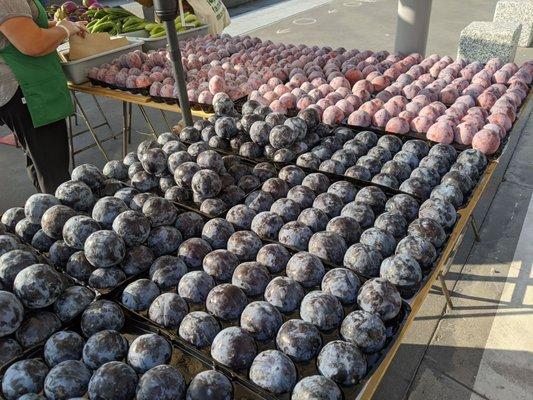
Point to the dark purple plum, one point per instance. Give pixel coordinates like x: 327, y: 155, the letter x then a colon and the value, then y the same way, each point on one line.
x: 89, y: 174
x: 190, y: 224
x: 226, y: 301
x: 436, y: 163
x: 282, y: 136
x: 104, y: 249
x: 103, y: 347
x: 9, y: 349
x: 59, y: 253
x: 11, y: 263
x: 287, y: 209
x: 134, y: 168
x: 417, y: 147
x: 358, y: 172
x: 37, y: 204
x: 54, y: 218
x: 318, y: 387
x: 393, y: 223
x: 404, y: 204
x: 302, y: 195
x: 166, y: 271
x: 372, y: 164
x: 379, y: 296
x: 298, y: 339
x: 251, y: 277
x: 372, y: 196
x: 106, y: 278
x: 248, y: 108
x: 178, y: 158
x: 398, y: 169
x: 132, y: 226
x: 77, y: 229
x: 206, y: 183
x: 276, y: 187
x: 273, y: 256
x: 146, y: 145
x: 469, y: 170
x: 328, y: 246
x: 329, y: 203
x: 245, y: 245
x: 25, y: 230
x: 166, y: 182
x: 261, y: 320
x: 189, y: 134
x: 8, y: 242
x: 241, y: 216
x: 264, y: 171
x: 306, y: 269
x: 444, y: 150
x: 173, y: 146
x: 107, y: 209
x: 75, y: 194
x: 314, y: 218
x: 428, y: 229
x: 213, y: 207
x: 348, y: 228
x: 295, y: 234
x: 342, y: 362
x: 192, y: 252
x: 440, y: 211
x: 344, y: 190
x: 251, y: 150
x: 407, y: 157
x: 38, y: 286
x: 138, y: 295
x: 159, y: 211
x: 139, y: 199
x: 267, y: 224
x: 226, y: 128
x: 308, y: 160
x: 310, y: 116
x: 445, y: 192
x: 26, y: 376
x: 211, y: 160
x: 284, y: 293
x: 196, y: 148
x: 247, y: 122
x: 36, y: 328
x: 234, y: 348
x: 113, y: 380
x: 11, y: 217
x: 416, y: 187
x: 341, y: 283
x: 365, y: 330
x: 322, y: 152
x: 379, y: 239
x: 148, y: 351
x: 184, y: 173
x: 418, y: 248
x: 292, y: 174
x: 473, y: 157
x: 368, y: 138
x: 110, y: 187
x: 259, y: 201
x: 390, y: 142
x: 199, y: 328
x: 115, y: 169
x: 298, y: 125
x: 272, y: 370
x: 317, y: 182
x: 217, y: 232
x: 220, y: 264
x: 101, y: 315
x: 78, y: 267
x: 385, y: 179
x: 72, y: 302
x: 382, y: 154
x: 41, y: 241
x: 168, y: 310
x: 322, y: 310
x: 429, y: 176
x: 194, y: 286
x: 402, y: 270
x: 263, y: 111
x: 232, y: 195
x: 332, y: 166
x: 154, y: 161
x: 163, y: 382
x: 67, y: 380
x: 164, y: 240
x: 63, y: 346
x: 210, y: 385
x: 363, y: 259
x: 12, y: 313
x: 361, y: 212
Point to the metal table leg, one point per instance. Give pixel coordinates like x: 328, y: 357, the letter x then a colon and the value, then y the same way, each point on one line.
x: 89, y: 126
x: 124, y: 129
x: 130, y: 111
x: 101, y: 111
x: 148, y: 122
x: 70, y: 140
x: 166, y: 121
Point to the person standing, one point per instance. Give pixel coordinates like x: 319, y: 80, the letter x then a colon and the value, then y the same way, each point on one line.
x: 34, y: 97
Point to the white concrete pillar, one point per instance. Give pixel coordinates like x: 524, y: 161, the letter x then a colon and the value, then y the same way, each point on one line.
x: 412, y: 26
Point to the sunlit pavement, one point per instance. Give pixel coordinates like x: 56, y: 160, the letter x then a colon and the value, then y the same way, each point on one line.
x: 483, y: 348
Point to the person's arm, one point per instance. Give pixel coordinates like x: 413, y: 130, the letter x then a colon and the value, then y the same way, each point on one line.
x: 51, y: 24
x: 31, y: 40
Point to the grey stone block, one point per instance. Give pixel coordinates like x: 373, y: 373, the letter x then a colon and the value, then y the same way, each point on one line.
x: 482, y: 41
x: 517, y: 11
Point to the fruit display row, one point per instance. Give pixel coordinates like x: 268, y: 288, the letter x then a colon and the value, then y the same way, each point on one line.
x: 72, y: 11
x: 107, y: 356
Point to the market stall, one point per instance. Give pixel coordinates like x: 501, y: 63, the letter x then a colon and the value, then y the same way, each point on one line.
x: 285, y: 242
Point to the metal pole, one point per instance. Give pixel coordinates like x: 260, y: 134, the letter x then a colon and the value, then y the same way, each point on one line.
x: 412, y: 26
x: 175, y: 58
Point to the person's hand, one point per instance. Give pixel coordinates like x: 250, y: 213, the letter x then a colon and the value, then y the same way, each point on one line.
x: 83, y: 28
x: 69, y: 27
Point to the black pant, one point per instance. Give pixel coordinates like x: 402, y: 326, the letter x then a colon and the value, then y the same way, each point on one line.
x: 46, y: 147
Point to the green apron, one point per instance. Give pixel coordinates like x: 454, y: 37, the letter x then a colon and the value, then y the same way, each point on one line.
x: 42, y: 81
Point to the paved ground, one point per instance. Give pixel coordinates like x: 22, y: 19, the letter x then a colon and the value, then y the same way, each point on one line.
x: 483, y: 348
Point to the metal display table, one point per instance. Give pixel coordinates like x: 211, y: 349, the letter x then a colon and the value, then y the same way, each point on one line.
x: 128, y: 100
